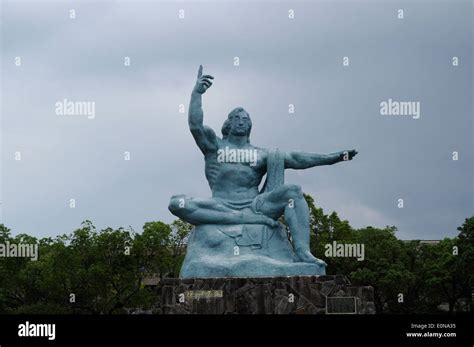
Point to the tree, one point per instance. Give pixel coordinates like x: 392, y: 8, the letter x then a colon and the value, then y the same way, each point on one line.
x: 179, y: 238
x: 153, y: 247
x: 91, y: 271
x: 465, y: 262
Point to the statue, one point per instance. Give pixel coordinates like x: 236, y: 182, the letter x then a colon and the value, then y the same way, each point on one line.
x: 236, y: 232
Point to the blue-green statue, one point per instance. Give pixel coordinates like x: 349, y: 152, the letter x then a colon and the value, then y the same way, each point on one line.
x: 236, y: 232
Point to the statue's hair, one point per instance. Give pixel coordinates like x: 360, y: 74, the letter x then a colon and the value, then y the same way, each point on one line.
x: 227, y: 124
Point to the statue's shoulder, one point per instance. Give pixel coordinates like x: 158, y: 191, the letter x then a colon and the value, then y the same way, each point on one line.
x: 266, y: 151
x: 262, y: 155
x: 261, y: 151
x: 272, y: 156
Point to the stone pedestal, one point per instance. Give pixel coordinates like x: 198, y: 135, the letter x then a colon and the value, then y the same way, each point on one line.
x: 272, y: 295
x: 245, y: 250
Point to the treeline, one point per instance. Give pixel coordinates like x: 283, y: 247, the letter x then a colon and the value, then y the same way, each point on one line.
x: 407, y: 276
x: 105, y: 271
x: 91, y: 271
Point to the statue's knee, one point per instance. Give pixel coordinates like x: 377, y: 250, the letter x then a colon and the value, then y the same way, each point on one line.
x: 294, y: 191
x: 177, y: 204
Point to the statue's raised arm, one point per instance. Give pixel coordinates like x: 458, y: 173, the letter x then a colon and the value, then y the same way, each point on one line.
x: 204, y: 136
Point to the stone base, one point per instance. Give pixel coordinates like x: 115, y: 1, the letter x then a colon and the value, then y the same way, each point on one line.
x: 275, y: 295
x: 245, y: 250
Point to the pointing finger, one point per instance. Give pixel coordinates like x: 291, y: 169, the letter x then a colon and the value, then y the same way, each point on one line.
x: 200, y: 71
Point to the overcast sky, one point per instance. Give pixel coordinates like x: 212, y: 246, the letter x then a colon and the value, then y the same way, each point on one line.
x: 282, y: 61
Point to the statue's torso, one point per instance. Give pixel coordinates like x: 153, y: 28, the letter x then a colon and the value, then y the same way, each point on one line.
x: 235, y: 180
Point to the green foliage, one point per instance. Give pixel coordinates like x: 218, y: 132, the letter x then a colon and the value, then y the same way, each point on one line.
x: 91, y: 271
x: 105, y: 270
x: 427, y: 275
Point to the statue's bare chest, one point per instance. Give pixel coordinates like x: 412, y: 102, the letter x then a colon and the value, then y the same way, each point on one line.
x: 241, y: 166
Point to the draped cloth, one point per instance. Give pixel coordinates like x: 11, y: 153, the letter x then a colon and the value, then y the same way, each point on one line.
x: 275, y: 171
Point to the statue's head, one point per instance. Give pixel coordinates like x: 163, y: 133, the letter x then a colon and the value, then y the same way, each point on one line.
x: 238, y: 123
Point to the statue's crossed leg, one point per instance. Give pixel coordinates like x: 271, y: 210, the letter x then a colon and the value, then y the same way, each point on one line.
x: 212, y: 211
x: 267, y: 208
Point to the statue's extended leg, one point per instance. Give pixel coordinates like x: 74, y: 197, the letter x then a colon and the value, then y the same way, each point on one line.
x: 209, y: 211
x: 290, y: 200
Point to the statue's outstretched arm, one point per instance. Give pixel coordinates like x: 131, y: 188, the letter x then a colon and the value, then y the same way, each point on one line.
x: 203, y: 135
x: 303, y: 160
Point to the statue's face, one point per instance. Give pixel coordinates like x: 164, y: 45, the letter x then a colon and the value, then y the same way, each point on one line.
x: 240, y: 124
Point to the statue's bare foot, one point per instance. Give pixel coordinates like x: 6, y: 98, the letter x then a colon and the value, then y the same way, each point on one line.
x: 305, y: 256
